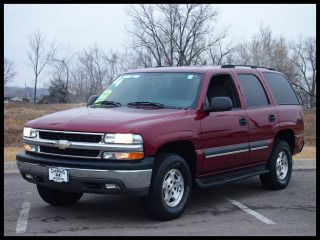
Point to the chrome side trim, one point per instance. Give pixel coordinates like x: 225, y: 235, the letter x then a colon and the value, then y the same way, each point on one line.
x: 236, y: 148
x: 227, y: 153
x: 260, y: 143
x: 90, y: 146
x: 130, y: 178
x: 258, y: 148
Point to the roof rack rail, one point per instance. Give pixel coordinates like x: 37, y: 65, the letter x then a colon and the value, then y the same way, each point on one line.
x: 243, y: 65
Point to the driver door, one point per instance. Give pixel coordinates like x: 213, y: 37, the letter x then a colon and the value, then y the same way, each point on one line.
x: 225, y: 133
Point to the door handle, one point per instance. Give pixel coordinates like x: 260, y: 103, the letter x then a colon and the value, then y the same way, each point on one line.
x: 272, y: 118
x: 242, y: 121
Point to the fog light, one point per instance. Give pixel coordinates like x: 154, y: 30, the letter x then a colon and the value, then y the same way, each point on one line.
x: 28, y: 176
x: 112, y: 186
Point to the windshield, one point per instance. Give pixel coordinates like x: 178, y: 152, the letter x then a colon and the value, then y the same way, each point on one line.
x: 170, y: 90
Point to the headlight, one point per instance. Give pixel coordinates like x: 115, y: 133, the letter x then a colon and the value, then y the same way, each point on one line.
x: 123, y: 138
x: 29, y: 132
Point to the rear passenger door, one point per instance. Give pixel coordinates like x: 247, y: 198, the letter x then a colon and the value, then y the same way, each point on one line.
x: 262, y: 117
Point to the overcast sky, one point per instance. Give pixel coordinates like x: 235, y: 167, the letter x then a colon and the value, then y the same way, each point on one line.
x: 75, y: 27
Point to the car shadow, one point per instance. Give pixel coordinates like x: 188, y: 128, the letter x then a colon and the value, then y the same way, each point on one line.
x: 128, y: 209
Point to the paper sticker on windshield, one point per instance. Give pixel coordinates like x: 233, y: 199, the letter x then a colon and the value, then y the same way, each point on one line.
x: 104, y: 95
x: 190, y: 76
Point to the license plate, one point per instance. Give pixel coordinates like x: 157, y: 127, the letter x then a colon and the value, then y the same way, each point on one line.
x: 58, y: 174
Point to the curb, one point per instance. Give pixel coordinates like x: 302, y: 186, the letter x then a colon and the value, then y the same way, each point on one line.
x: 298, y: 164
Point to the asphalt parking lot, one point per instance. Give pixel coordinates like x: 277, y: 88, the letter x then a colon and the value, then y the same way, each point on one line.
x: 239, y: 208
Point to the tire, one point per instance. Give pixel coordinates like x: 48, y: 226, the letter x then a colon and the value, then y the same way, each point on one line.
x: 58, y: 198
x: 168, y: 169
x: 278, y: 179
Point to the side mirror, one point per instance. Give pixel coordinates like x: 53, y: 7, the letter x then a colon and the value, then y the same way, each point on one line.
x: 92, y: 99
x: 219, y: 104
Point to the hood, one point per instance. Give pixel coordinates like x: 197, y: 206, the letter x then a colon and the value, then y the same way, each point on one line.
x: 118, y: 119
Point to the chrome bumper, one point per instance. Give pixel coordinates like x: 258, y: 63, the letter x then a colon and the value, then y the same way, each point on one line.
x: 129, y: 179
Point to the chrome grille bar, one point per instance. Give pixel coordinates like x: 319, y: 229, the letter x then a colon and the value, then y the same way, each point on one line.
x: 90, y: 146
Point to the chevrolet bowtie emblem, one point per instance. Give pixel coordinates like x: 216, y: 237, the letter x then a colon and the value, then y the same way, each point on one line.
x: 62, y: 144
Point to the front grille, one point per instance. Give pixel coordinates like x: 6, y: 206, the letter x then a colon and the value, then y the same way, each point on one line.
x: 74, y: 137
x: 70, y: 151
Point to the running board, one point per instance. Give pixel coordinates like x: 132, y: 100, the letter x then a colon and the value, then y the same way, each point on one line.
x: 217, y: 179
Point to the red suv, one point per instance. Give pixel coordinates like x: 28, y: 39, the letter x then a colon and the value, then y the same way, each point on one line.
x: 155, y: 131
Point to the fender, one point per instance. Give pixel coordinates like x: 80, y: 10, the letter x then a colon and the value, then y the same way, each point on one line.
x: 168, y: 137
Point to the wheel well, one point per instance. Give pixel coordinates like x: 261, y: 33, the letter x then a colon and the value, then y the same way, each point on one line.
x: 288, y: 136
x: 183, y: 148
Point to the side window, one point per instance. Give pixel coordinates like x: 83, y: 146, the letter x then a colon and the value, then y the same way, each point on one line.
x: 281, y: 88
x: 222, y: 86
x: 253, y: 90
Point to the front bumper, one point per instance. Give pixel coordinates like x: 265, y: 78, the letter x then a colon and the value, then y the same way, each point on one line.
x: 89, y: 176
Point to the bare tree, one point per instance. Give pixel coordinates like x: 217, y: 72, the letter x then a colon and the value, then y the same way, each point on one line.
x: 57, y: 87
x: 220, y: 54
x: 89, y: 74
x: 64, y: 64
x: 114, y: 66
x: 9, y: 70
x: 268, y: 51
x: 174, y: 34
x: 137, y: 58
x: 304, y: 58
x: 262, y: 49
x: 39, y: 57
x: 78, y: 84
x: 61, y: 67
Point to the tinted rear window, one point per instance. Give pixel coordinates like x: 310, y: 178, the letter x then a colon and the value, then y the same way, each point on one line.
x: 253, y: 90
x: 281, y: 88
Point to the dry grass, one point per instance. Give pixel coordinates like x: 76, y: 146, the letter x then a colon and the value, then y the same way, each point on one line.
x: 310, y: 127
x: 307, y: 152
x: 10, y: 153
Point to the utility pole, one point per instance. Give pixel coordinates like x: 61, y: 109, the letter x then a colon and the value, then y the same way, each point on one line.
x: 25, y: 90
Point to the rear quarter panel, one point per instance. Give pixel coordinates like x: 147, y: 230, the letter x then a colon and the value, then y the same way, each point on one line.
x: 291, y: 117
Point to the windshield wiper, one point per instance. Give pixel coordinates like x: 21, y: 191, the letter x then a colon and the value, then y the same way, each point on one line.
x: 108, y: 103
x: 146, y: 104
